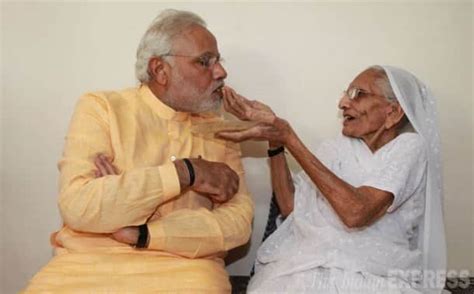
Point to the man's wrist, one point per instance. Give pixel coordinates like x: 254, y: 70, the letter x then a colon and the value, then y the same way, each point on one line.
x: 142, y: 239
x: 183, y: 173
x: 191, y: 172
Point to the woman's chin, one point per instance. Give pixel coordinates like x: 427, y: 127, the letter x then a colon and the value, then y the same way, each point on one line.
x: 349, y: 133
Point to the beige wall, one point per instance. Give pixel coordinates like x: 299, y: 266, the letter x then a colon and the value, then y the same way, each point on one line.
x: 295, y: 57
x: 1, y: 160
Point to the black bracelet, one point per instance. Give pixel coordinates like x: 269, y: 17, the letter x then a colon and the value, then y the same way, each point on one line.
x: 276, y: 151
x: 142, y: 236
x: 190, y: 167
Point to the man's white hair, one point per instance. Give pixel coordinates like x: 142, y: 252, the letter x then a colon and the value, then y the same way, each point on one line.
x: 157, y: 40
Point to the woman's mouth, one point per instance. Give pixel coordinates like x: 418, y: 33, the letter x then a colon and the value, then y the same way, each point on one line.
x: 348, y: 118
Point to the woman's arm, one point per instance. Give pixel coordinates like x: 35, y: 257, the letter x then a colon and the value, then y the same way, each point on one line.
x: 282, y: 182
x: 355, y: 206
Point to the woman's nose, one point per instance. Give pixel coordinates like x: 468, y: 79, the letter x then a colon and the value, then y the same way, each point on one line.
x: 344, y: 102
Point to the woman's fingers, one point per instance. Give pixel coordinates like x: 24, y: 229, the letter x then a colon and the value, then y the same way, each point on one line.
x: 236, y: 104
x: 228, y: 105
x: 253, y: 110
x: 234, y: 136
x: 245, y: 109
x: 240, y: 102
x: 258, y: 132
x: 237, y: 108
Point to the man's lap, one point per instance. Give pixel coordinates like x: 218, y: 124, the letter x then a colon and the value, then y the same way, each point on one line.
x: 117, y: 272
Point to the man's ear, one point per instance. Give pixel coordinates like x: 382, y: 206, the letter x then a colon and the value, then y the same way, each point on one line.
x: 395, y: 115
x: 158, y: 70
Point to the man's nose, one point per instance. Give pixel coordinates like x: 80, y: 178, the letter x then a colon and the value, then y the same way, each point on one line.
x: 344, y: 102
x: 219, y: 72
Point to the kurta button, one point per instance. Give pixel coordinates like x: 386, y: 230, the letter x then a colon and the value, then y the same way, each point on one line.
x: 173, y: 158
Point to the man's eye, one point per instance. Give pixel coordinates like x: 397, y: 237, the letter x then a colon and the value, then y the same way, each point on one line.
x: 362, y: 94
x: 203, y: 61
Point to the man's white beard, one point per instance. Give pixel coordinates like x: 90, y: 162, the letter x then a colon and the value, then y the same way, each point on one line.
x: 194, y: 106
x: 209, y: 105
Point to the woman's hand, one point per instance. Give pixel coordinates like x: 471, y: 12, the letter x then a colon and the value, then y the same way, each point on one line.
x: 269, y: 128
x: 245, y: 109
x: 277, y: 135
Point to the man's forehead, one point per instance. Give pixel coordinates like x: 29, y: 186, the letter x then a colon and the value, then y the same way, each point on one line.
x: 195, y: 40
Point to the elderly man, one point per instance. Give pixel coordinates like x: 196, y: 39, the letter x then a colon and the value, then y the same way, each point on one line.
x: 161, y: 218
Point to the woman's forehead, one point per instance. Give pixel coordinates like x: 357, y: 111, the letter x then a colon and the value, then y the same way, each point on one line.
x: 366, y: 80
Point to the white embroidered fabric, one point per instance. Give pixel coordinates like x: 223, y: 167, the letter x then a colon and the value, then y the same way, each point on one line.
x: 313, y: 238
x: 313, y: 252
x: 419, y: 105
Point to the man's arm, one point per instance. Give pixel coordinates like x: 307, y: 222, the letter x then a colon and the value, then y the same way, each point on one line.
x: 197, y: 233
x: 103, y: 204
x: 113, y: 201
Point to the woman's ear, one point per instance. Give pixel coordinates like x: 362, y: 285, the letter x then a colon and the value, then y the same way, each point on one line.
x: 158, y: 70
x: 395, y: 115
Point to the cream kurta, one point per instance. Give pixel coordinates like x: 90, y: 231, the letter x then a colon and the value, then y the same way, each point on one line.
x: 188, y: 234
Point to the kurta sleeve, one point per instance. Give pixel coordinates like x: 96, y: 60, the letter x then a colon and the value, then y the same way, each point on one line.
x: 202, y: 232
x: 106, y: 204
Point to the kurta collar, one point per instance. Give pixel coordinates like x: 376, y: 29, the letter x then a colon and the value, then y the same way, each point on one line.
x: 161, y: 108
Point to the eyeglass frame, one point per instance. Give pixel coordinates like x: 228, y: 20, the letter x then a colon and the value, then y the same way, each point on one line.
x: 358, y: 91
x: 200, y: 59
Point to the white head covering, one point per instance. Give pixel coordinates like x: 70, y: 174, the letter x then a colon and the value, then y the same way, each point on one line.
x: 419, y: 105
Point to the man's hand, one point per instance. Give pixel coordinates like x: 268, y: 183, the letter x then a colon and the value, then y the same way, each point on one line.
x: 104, y: 166
x: 213, y: 179
x: 127, y: 235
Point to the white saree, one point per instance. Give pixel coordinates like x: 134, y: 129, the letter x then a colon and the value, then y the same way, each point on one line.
x: 313, y: 252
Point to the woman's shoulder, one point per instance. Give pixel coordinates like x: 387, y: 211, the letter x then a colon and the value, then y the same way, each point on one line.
x: 404, y: 147
x: 409, y: 140
x: 334, y: 142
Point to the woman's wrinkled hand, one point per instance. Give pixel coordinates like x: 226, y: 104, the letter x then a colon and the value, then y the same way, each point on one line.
x: 269, y: 128
x: 245, y: 109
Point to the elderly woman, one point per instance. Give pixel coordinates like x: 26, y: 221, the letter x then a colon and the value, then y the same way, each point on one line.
x: 364, y: 215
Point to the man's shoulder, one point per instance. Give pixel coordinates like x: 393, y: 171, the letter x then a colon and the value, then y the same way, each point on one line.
x: 108, y: 99
x: 113, y: 95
